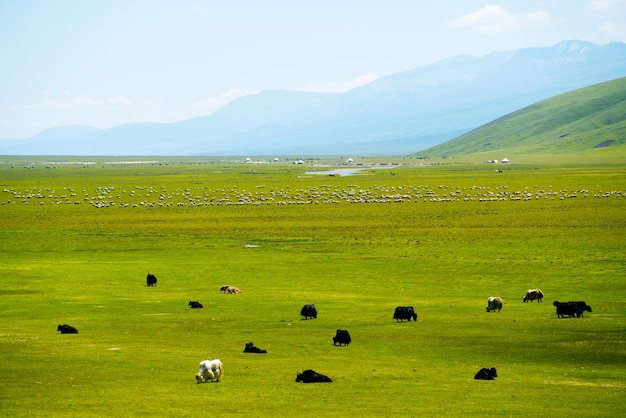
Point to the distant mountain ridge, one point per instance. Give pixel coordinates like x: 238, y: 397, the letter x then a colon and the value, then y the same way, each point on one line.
x: 398, y: 114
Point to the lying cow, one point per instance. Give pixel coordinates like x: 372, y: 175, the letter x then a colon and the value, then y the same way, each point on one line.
x: 494, y: 303
x: 230, y: 289
x: 310, y: 376
x: 67, y: 329
x: 195, y: 305
x: 308, y: 311
x: 209, y: 370
x: 404, y: 313
x: 582, y: 306
x: 151, y: 279
x: 251, y: 348
x: 342, y: 337
x: 570, y: 309
x: 486, y: 374
x: 533, y: 294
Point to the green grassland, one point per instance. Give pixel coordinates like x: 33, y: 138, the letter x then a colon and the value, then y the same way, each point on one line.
x: 77, y: 241
x: 588, y: 123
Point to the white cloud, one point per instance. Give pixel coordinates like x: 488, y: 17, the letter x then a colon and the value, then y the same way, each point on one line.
x: 337, y: 87
x: 68, y: 109
x: 67, y: 103
x: 611, y: 31
x: 83, y: 101
x: 78, y: 109
x: 47, y: 103
x: 120, y: 100
x: 200, y: 10
x: 494, y: 18
x: 538, y: 17
x: 609, y: 8
x: 209, y: 105
x: 233, y: 93
x: 598, y: 5
x: 490, y: 19
x: 609, y: 17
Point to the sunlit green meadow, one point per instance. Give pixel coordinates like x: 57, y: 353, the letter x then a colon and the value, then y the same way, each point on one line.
x: 77, y: 241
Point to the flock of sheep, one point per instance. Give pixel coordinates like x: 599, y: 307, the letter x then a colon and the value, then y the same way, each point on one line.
x: 154, y: 197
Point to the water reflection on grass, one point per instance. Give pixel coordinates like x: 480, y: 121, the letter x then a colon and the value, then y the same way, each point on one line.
x: 338, y: 172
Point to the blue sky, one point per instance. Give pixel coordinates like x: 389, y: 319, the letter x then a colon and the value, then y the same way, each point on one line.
x: 107, y: 62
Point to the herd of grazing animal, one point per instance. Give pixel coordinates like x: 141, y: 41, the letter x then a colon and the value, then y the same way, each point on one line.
x: 212, y: 370
x: 563, y: 309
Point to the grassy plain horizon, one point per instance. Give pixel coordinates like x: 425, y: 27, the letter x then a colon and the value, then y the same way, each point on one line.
x: 442, y: 238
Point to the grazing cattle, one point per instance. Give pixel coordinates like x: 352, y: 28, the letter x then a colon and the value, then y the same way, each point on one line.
x: 342, y: 337
x: 404, y: 312
x: 486, y: 374
x: 494, y: 303
x: 230, y: 289
x: 567, y: 309
x: 251, y: 348
x: 151, y: 279
x: 308, y: 311
x: 195, y: 305
x: 582, y: 306
x: 67, y: 329
x: 209, y: 370
x: 310, y: 376
x: 533, y: 294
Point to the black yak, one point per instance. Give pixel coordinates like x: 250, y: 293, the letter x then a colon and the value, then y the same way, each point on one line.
x: 67, y: 329
x: 404, y: 313
x: 570, y: 309
x: 308, y: 311
x: 151, y: 279
x: 342, y: 337
x: 251, y: 348
x: 486, y: 374
x: 310, y: 376
x: 582, y: 306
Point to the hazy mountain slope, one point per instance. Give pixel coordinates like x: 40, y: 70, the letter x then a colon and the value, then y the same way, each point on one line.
x: 572, y: 123
x: 422, y: 107
x: 397, y: 114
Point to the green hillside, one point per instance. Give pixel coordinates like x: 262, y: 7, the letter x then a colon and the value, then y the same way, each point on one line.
x: 588, y: 121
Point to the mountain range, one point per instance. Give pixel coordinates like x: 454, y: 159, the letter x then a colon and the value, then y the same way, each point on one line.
x: 398, y: 114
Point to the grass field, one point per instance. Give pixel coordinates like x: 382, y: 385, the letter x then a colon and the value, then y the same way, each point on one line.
x: 77, y: 241
x: 587, y: 123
